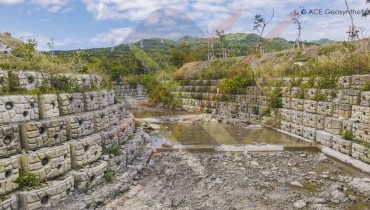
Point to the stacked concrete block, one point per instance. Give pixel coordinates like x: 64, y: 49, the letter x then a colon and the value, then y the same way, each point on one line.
x: 3, y: 79
x: 198, y: 103
x: 324, y: 138
x: 111, y: 97
x: 309, y: 133
x: 344, y: 82
x: 286, y: 103
x: 10, y: 143
x: 48, y: 106
x: 333, y: 125
x: 310, y: 106
x: 296, y: 129
x: 47, y: 197
x: 295, y: 91
x: 285, y: 126
x: 90, y: 175
x: 240, y: 98
x: 45, y: 133
x: 224, y: 106
x: 361, y: 113
x: 213, y: 104
x: 244, y: 117
x: 253, y: 109
x: 84, y: 80
x: 71, y: 103
x: 310, y: 94
x: 262, y: 100
x: 9, y: 172
x: 29, y: 80
x: 48, y: 163
x: 133, y: 147
x: 113, y: 111
x: 20, y: 108
x: 223, y: 112
x: 328, y: 95
x: 104, y: 99
x: 233, y: 114
x: 11, y: 203
x: 110, y: 139
x: 342, y: 145
x: 309, y: 119
x: 101, y: 119
x: 361, y: 152
x: 361, y: 131
x: 80, y: 125
x: 287, y: 81
x: 263, y: 110
x: 320, y: 122
x: 365, y: 99
x: 92, y: 100
x: 297, y: 104
x: 342, y: 111
x: 297, y: 117
x: 348, y: 124
x: 254, y: 118
x: 325, y: 108
x: 359, y: 81
x: 251, y: 99
x: 232, y: 106
x: 252, y: 90
x: 243, y: 107
x: 286, y: 92
x: 118, y: 163
x: 286, y: 114
x: 352, y: 97
x: 86, y: 150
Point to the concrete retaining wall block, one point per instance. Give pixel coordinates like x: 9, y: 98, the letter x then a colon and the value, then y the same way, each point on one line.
x: 47, y: 197
x: 342, y: 111
x: 359, y: 81
x: 96, y: 80
x: 10, y: 204
x: 47, y: 163
x: 297, y: 117
x: 361, y: 152
x: 309, y: 133
x: 101, y: 119
x: 45, y: 133
x: 361, y: 113
x: 309, y: 119
x: 48, y: 106
x: 133, y: 147
x: 9, y: 172
x: 244, y: 116
x: 252, y: 90
x: 110, y: 138
x: 251, y: 99
x: 254, y: 118
x: 296, y: 129
x: 365, y: 98
x: 71, y: 103
x: 310, y: 106
x: 91, y: 101
x: 86, y: 150
x: 286, y: 92
x: 286, y: 103
x: 104, y: 99
x: 253, y: 109
x: 286, y: 114
x: 113, y: 111
x: 10, y: 143
x: 84, y: 80
x: 243, y: 107
x: 285, y: 126
x: 111, y: 97
x: 361, y: 131
x: 324, y: 138
x: 262, y: 100
x: 325, y: 108
x: 311, y: 93
x: 90, y: 175
x: 118, y: 163
x: 352, y: 97
x: 18, y: 108
x: 344, y: 82
x: 29, y: 80
x: 333, y: 125
x: 295, y: 92
x: 297, y: 104
x: 80, y: 125
x: 342, y: 145
x: 3, y: 79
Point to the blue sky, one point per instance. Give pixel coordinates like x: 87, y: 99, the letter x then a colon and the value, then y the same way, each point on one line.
x: 98, y: 23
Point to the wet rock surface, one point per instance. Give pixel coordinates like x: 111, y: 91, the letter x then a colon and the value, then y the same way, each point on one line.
x: 284, y: 180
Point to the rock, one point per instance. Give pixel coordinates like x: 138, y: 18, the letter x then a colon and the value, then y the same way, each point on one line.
x: 337, y: 196
x: 299, y: 204
x: 254, y: 127
x: 361, y: 184
x: 105, y: 157
x: 254, y: 163
x: 215, y: 121
x: 296, y: 183
x: 152, y: 126
x: 322, y: 157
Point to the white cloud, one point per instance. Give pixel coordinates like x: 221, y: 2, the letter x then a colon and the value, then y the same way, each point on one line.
x: 117, y: 35
x: 48, y: 5
x: 9, y: 2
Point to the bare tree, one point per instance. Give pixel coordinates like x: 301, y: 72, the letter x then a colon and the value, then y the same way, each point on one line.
x: 210, y: 42
x: 260, y: 24
x: 353, y: 30
x: 296, y: 18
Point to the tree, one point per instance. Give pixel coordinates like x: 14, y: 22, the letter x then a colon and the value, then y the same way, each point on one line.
x: 296, y: 18
x: 224, y: 47
x: 260, y: 24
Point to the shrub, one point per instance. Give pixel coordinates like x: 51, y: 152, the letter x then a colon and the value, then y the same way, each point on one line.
x: 274, y: 99
x: 137, y: 124
x: 108, y: 176
x: 28, y: 181
x: 348, y: 135
x: 65, y: 84
x: 4, y: 198
x: 327, y: 83
x: 114, y: 151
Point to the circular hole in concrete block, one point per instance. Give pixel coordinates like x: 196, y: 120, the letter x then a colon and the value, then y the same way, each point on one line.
x: 118, y: 163
x: 53, y: 104
x: 102, y: 116
x: 92, y: 178
x: 327, y: 107
x: 45, y: 161
x: 70, y: 99
x: 7, y: 140
x: 8, y: 173
x: 60, y: 166
x: 83, y: 81
x: 103, y: 95
x: 9, y: 105
x: 32, y: 105
x: 366, y: 133
x: 364, y: 113
x: 56, y: 136
x: 80, y: 122
x: 86, y: 147
x: 68, y: 191
x: 96, y: 153
x: 65, y: 156
x: 25, y: 113
x: 91, y: 97
x: 61, y: 127
x: 45, y: 200
x: 30, y: 80
x: 2, y: 80
x: 42, y: 130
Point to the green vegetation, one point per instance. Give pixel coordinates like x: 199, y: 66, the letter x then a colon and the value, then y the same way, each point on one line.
x: 108, y: 176
x: 27, y: 181
x: 348, y: 135
x: 275, y: 98
x: 137, y: 124
x: 114, y: 151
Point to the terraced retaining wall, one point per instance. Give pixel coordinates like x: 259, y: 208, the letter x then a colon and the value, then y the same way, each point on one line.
x: 320, y: 115
x: 64, y: 139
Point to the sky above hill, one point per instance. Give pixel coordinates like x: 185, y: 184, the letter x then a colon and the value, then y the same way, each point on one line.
x: 83, y: 24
